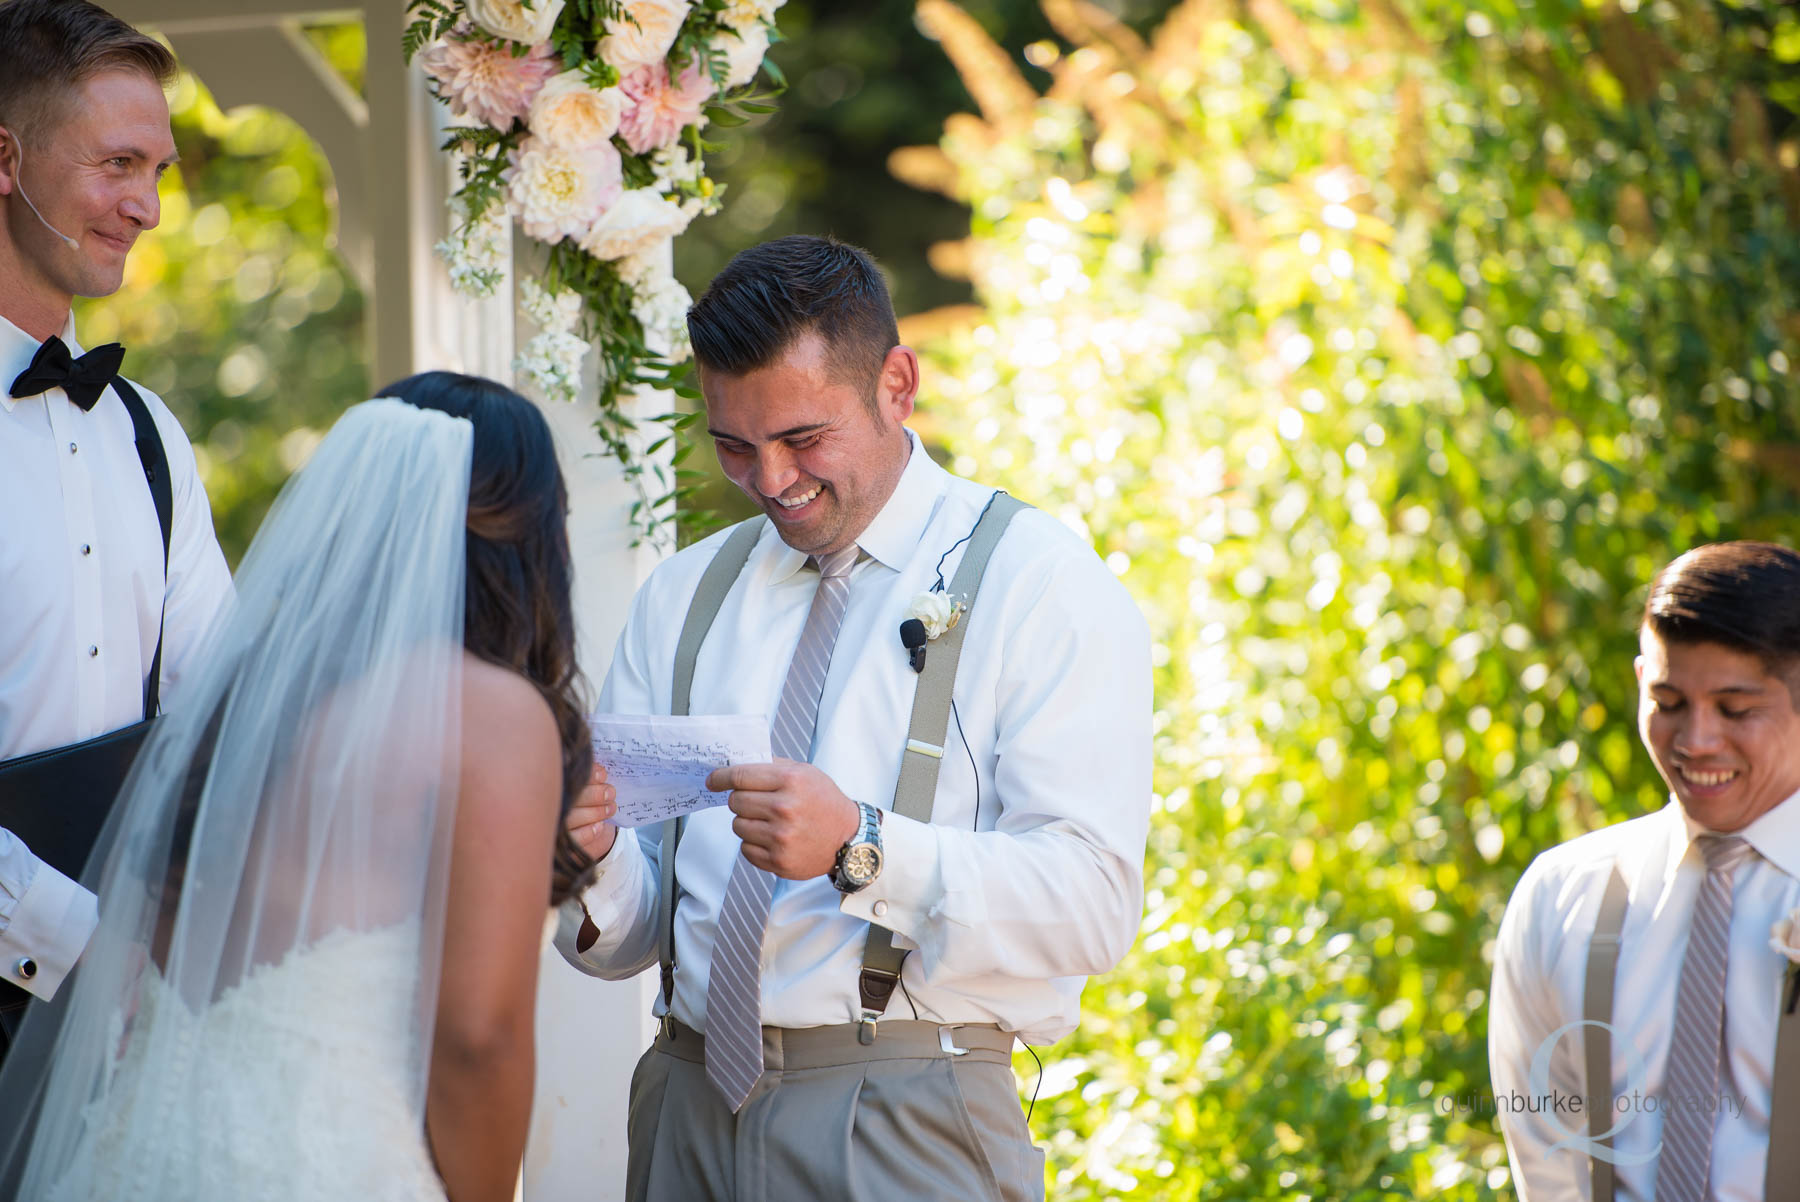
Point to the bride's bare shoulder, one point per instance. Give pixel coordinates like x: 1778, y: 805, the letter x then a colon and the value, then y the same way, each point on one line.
x: 509, y: 733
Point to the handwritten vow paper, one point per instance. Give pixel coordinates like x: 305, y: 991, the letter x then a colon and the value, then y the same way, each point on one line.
x: 659, y: 763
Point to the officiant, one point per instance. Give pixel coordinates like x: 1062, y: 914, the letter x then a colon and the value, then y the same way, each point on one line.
x: 108, y: 563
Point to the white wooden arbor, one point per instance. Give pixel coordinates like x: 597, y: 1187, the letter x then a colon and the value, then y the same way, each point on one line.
x: 391, y: 184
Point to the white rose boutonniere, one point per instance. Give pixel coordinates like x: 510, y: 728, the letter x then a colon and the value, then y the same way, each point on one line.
x: 937, y: 611
x: 511, y: 19
x: 1784, y: 936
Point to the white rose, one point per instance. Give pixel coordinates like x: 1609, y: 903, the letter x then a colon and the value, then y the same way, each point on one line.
x: 743, y: 53
x: 512, y: 20
x: 570, y: 114
x: 629, y: 46
x: 637, y: 221
x: 1784, y: 936
x: 936, y: 610
x: 741, y: 14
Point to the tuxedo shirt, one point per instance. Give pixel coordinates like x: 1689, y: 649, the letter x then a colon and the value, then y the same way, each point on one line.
x: 81, y: 574
x: 1540, y: 962
x: 1029, y: 876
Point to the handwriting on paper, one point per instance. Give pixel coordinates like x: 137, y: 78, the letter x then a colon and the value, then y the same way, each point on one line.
x: 659, y: 763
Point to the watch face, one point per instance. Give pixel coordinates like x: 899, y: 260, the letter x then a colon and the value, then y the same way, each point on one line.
x: 861, y: 863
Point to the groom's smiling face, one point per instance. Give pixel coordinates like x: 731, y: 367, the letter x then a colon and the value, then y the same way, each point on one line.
x: 809, y: 447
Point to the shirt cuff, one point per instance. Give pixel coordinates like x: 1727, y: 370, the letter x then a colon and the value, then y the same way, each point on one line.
x: 49, y: 927
x: 610, y: 901
x: 909, y: 898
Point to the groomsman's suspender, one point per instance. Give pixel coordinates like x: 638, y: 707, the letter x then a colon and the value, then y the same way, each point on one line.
x: 715, y: 582
x: 1783, y: 1168
x: 916, y: 790
x: 1597, y: 1007
x: 156, y: 473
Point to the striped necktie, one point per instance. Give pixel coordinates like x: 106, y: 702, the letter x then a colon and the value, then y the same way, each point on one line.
x: 1691, y: 1079
x: 734, y: 1050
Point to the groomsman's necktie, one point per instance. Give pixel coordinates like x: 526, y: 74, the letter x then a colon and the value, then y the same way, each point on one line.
x: 734, y: 1051
x: 1691, y: 1078
x: 84, y: 379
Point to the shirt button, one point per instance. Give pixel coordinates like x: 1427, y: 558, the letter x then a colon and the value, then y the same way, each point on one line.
x: 25, y: 969
x: 73, y: 448
x: 86, y: 550
x: 880, y: 909
x: 93, y: 651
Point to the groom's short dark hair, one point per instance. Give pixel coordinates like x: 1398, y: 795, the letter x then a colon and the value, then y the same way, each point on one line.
x: 48, y: 47
x: 1742, y: 595
x: 770, y: 295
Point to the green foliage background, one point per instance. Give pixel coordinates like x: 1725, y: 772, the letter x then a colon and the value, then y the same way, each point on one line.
x: 1385, y: 350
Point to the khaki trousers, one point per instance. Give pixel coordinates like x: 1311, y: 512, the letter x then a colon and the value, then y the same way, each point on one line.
x: 898, y: 1120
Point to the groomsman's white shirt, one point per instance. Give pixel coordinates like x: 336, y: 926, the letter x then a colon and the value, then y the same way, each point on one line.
x: 1009, y: 907
x: 1540, y: 963
x: 81, y: 574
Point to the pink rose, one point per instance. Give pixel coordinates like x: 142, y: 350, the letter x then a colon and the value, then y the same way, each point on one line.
x: 657, y: 110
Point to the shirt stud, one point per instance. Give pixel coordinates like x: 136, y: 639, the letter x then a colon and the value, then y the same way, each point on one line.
x: 25, y: 969
x: 93, y: 651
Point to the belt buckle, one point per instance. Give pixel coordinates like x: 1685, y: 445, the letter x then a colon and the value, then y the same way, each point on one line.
x: 945, y: 1042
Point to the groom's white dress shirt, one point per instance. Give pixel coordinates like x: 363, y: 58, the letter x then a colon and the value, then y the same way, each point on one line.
x: 1008, y: 905
x: 81, y: 574
x: 1540, y: 962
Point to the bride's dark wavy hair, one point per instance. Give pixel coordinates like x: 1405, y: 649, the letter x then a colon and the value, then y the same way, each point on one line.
x: 517, y: 608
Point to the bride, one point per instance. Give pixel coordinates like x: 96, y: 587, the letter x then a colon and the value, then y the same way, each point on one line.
x: 323, y: 889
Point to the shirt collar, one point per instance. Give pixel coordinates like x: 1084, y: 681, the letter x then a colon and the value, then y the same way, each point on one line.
x: 1775, y: 835
x: 894, y: 534
x: 16, y: 349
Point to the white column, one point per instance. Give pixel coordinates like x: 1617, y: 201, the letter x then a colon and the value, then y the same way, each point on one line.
x: 589, y: 1032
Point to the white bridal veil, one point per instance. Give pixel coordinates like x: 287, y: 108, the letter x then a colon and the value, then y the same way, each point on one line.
x: 259, y: 994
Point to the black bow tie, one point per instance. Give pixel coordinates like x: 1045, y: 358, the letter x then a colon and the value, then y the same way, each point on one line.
x: 84, y: 379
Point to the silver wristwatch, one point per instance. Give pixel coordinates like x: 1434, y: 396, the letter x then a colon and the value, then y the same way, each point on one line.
x: 859, y: 861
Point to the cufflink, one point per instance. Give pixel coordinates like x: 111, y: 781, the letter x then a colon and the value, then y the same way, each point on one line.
x: 25, y: 969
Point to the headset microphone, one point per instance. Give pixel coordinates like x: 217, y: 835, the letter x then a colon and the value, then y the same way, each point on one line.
x: 912, y: 637
x: 19, y: 185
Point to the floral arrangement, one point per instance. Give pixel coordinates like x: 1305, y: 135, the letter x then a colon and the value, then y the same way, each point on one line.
x: 580, y: 120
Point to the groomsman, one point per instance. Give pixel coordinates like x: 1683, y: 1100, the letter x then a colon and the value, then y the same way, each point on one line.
x: 1641, y: 998
x: 108, y: 562
x: 941, y: 853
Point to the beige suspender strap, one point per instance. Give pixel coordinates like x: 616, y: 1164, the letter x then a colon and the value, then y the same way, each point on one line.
x: 916, y: 791
x: 715, y: 583
x: 1596, y: 1040
x: 1784, y: 1102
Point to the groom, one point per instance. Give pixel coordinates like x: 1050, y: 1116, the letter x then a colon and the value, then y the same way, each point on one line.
x: 788, y: 1064
x: 96, y: 567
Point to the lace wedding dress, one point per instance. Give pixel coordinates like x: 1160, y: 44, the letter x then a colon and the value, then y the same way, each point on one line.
x: 295, y: 1085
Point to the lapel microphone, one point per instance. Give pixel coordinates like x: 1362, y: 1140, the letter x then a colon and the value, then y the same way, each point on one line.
x: 19, y: 185
x: 912, y: 637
